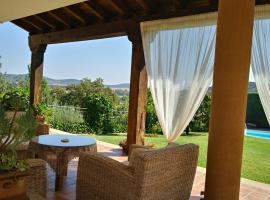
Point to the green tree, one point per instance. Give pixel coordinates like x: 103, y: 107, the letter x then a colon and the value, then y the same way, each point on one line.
x: 120, y: 115
x: 57, y: 94
x: 4, y: 84
x: 75, y: 93
x: 98, y: 114
x: 152, y: 124
x: 200, y: 121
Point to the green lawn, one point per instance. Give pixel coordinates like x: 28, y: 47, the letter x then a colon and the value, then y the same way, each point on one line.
x: 256, y: 158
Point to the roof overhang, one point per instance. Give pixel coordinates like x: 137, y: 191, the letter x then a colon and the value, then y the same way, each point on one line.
x: 15, y: 9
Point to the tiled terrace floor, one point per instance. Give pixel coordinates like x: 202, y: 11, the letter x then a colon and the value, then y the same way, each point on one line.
x: 250, y: 190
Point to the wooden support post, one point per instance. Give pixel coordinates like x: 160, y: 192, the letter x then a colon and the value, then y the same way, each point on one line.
x: 138, y: 90
x: 36, y: 72
x: 229, y: 96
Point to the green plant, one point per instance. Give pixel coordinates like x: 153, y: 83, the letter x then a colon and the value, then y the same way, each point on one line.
x: 68, y: 119
x: 200, y: 121
x: 120, y: 116
x: 14, y: 130
x: 9, y: 161
x: 152, y: 125
x: 15, y: 100
x: 43, y: 110
x: 98, y: 114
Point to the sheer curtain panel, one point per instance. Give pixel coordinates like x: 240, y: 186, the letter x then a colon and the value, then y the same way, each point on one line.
x: 179, y: 56
x: 260, y: 62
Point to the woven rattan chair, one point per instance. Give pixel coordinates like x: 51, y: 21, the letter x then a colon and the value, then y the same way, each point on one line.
x: 37, y: 181
x: 163, y: 174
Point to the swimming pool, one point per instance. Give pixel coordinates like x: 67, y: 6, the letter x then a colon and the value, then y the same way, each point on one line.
x: 258, y: 134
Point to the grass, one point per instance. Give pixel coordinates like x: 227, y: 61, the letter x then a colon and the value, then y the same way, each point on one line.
x: 256, y: 156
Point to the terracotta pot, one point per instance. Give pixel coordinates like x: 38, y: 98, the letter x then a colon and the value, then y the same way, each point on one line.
x: 13, y: 185
x: 40, y: 119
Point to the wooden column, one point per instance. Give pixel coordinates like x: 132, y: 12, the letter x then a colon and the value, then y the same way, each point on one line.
x: 230, y: 84
x: 138, y: 90
x: 36, y: 72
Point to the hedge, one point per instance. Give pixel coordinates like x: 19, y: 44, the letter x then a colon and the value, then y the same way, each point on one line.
x: 255, y: 113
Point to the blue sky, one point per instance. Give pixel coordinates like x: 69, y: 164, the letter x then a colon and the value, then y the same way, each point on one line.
x: 107, y: 58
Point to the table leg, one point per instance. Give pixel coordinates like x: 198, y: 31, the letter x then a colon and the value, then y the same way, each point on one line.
x: 59, y: 173
x: 65, y: 163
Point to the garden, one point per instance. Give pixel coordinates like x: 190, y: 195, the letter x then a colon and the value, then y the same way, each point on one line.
x: 92, y: 108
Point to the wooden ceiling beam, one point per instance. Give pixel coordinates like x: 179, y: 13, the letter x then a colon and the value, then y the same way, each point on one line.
x: 98, y: 31
x: 116, y: 5
x: 143, y: 4
x: 44, y: 22
x: 59, y: 19
x: 108, y: 29
x: 74, y: 15
x: 93, y: 11
x: 32, y: 24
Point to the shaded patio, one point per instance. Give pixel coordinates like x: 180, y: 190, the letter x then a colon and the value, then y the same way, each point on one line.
x: 249, y: 190
x: 104, y: 19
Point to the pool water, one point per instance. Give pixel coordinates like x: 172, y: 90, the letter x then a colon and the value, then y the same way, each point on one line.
x: 258, y: 134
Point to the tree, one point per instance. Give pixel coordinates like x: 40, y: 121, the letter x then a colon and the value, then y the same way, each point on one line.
x: 98, y: 115
x: 4, y: 84
x: 152, y: 124
x: 200, y: 121
x: 75, y: 93
x: 120, y: 115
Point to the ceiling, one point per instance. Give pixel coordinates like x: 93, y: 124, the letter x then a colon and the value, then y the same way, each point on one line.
x: 15, y: 9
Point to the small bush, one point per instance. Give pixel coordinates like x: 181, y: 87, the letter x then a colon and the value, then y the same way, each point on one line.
x: 69, y: 120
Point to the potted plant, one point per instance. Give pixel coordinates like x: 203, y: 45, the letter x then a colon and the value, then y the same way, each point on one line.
x: 8, y: 103
x: 15, y: 129
x: 42, y: 113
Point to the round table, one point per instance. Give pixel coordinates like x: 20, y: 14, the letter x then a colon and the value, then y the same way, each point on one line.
x: 64, y: 147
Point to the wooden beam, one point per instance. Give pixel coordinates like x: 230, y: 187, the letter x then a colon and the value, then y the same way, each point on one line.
x: 106, y: 30
x: 116, y: 5
x: 59, y: 19
x: 229, y: 98
x: 36, y: 72
x: 138, y: 91
x: 143, y: 4
x: 32, y: 24
x: 78, y: 34
x: 44, y: 21
x: 74, y: 15
x: 93, y: 11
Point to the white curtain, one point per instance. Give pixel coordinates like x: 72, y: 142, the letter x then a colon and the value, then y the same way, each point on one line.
x: 179, y: 56
x: 260, y: 62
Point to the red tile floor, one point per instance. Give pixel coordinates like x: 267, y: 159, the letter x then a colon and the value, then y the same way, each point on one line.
x: 250, y: 190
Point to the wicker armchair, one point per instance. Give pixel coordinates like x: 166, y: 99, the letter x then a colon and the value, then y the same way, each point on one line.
x: 37, y: 182
x: 162, y: 174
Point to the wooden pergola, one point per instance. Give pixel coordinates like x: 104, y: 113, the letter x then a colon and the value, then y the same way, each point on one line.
x: 96, y: 19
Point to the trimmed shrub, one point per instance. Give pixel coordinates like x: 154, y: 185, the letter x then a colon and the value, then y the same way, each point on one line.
x: 255, y: 113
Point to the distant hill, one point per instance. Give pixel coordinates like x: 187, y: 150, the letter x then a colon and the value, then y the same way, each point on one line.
x: 119, y: 86
x: 14, y: 78
x: 61, y: 82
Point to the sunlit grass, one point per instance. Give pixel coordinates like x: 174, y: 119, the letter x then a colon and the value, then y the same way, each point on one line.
x: 256, y: 156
